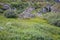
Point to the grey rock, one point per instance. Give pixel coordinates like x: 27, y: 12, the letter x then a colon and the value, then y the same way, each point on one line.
x: 27, y: 13
x: 6, y: 6
x: 44, y: 10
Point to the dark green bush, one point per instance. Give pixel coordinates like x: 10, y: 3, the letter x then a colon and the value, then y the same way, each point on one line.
x: 14, y: 4
x: 10, y: 14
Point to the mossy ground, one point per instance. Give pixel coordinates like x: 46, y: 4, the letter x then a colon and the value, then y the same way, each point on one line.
x: 27, y: 29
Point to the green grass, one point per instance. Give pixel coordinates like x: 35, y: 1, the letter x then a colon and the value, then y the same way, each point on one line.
x: 27, y: 29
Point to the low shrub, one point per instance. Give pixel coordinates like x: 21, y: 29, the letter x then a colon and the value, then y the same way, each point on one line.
x: 53, y: 18
x: 10, y: 14
x: 20, y: 6
x: 57, y: 22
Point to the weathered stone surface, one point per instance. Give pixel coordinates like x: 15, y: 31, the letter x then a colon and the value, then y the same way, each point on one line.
x: 44, y: 10
x: 47, y: 8
x: 27, y: 13
x: 55, y: 8
x: 5, y: 6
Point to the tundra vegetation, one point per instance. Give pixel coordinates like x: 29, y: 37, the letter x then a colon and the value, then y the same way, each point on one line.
x: 29, y: 20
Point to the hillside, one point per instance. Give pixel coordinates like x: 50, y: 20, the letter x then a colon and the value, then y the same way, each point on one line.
x: 29, y: 20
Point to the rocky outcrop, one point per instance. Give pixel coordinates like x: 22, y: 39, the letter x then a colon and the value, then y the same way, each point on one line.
x: 27, y: 13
